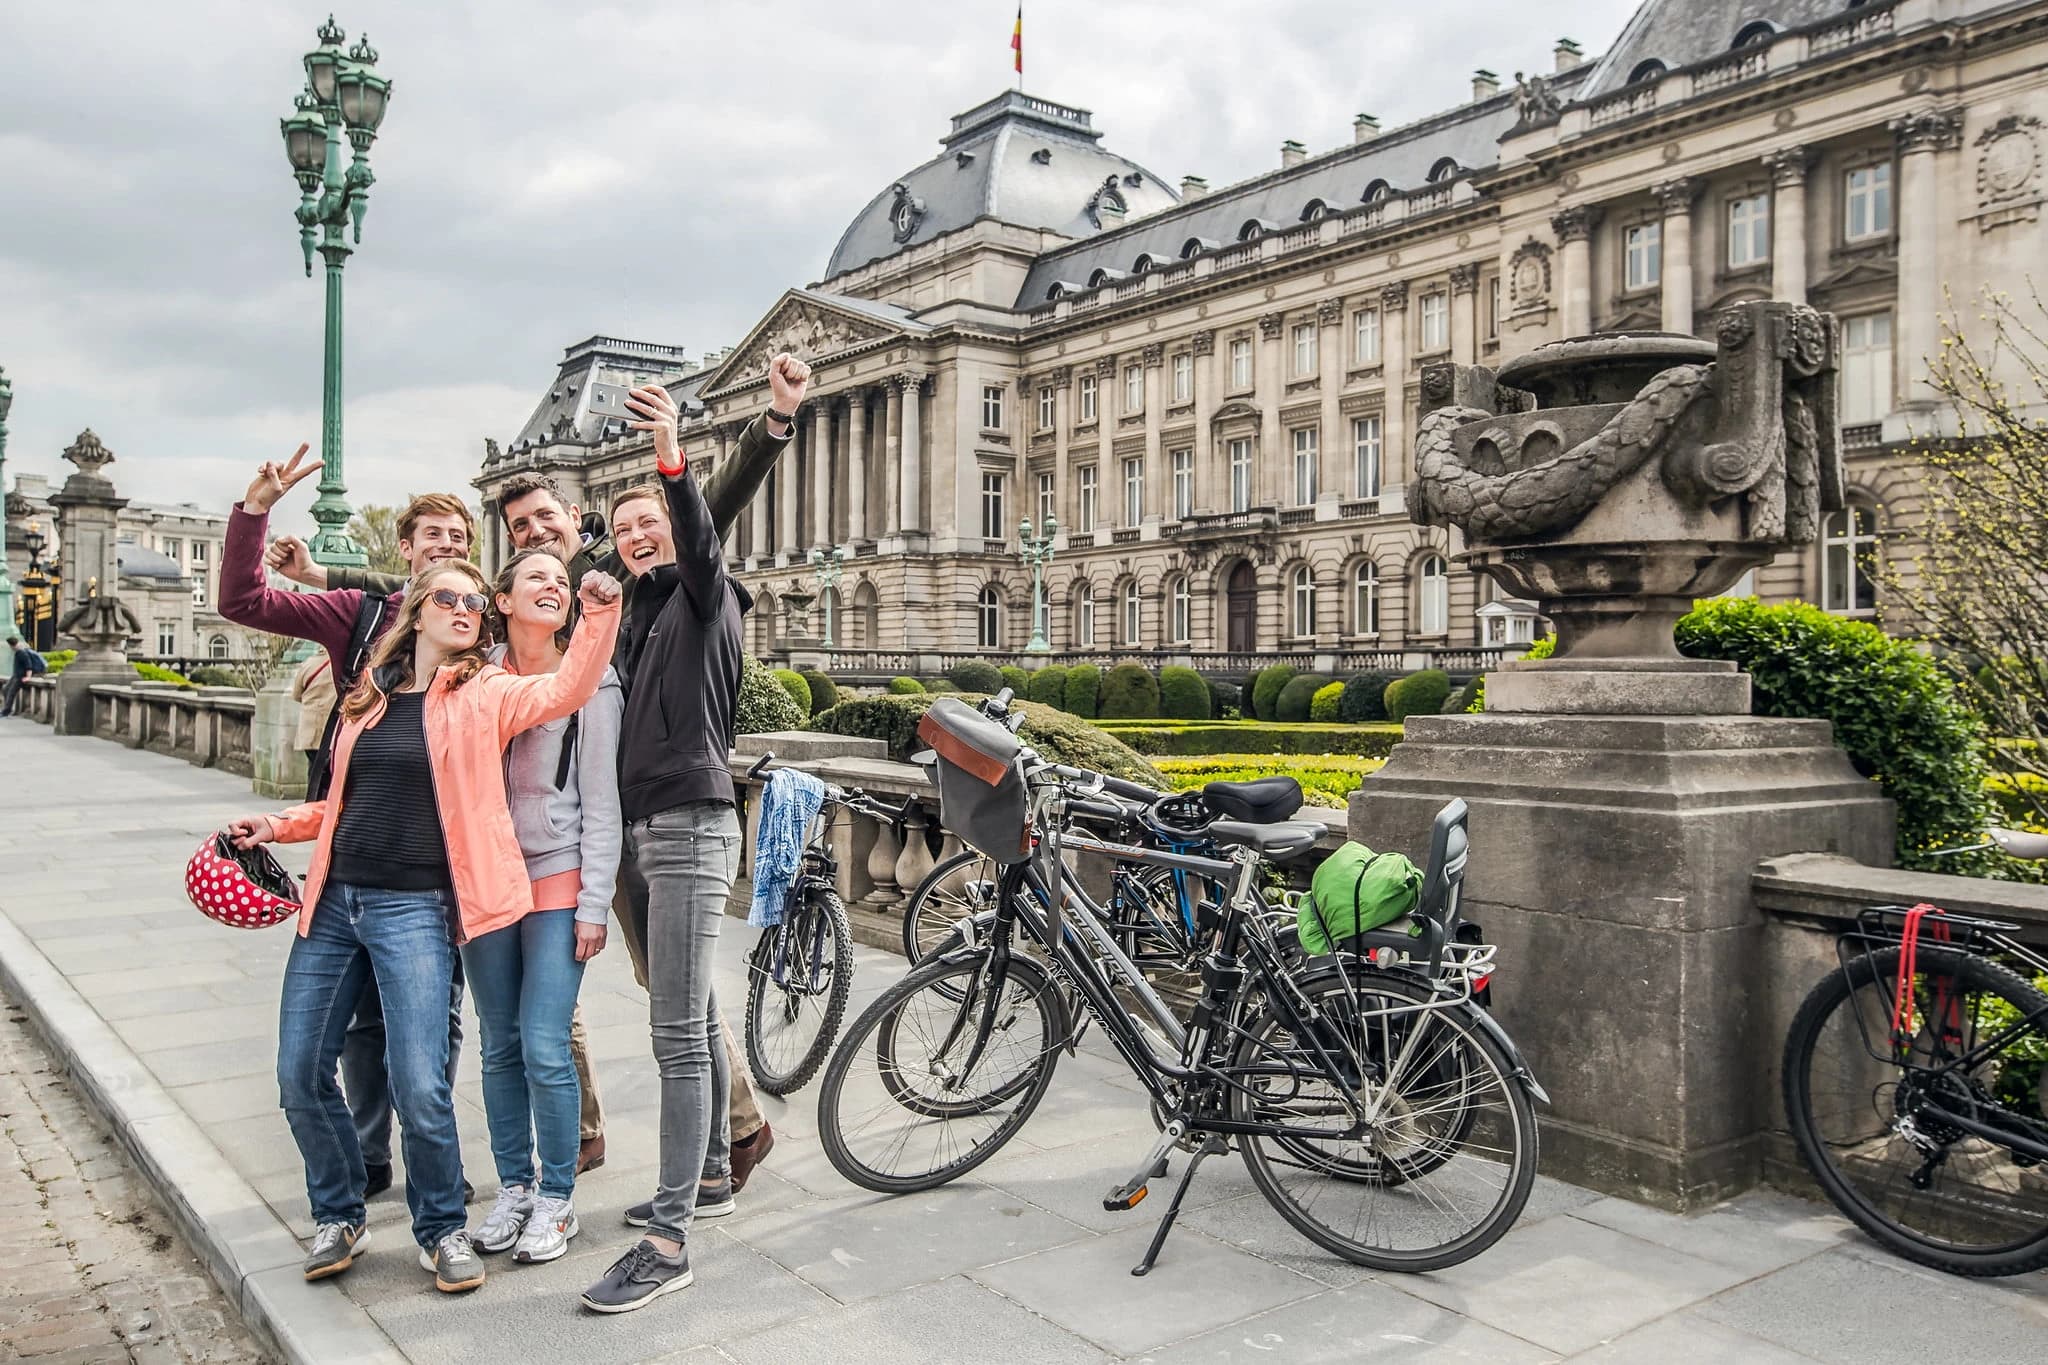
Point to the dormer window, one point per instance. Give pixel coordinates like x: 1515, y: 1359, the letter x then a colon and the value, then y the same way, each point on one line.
x: 1254, y: 228
x: 1104, y: 275
x: 1377, y: 191
x: 1443, y: 170
x: 1145, y: 264
x: 1648, y: 70
x: 1315, y: 212
x: 1762, y: 31
x: 1195, y: 246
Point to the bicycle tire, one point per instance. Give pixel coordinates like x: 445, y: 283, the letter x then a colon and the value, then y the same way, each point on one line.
x: 841, y: 1131
x: 765, y: 995
x: 927, y: 903
x: 1515, y: 1123
x: 1877, y: 974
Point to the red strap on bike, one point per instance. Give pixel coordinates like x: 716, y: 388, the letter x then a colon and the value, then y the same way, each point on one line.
x: 1903, y: 1022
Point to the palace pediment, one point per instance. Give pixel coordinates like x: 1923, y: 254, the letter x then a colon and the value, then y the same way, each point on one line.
x: 815, y: 327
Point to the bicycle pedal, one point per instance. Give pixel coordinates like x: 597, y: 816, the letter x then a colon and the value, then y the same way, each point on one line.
x: 1124, y: 1198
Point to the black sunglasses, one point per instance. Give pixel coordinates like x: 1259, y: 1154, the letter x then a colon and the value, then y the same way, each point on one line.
x: 451, y: 599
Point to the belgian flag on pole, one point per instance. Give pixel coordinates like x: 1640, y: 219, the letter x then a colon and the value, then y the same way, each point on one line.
x: 1017, y: 39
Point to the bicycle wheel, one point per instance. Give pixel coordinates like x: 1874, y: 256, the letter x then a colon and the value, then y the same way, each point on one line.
x: 1447, y: 1155
x: 960, y: 887
x: 1925, y: 1188
x: 939, y: 1073
x: 798, y: 980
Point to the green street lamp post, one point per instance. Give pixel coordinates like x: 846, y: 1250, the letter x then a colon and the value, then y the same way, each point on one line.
x: 343, y: 94
x: 826, y: 566
x: 1037, y: 554
x: 6, y: 583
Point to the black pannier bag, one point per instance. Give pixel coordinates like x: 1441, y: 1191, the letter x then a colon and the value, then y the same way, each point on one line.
x: 980, y: 779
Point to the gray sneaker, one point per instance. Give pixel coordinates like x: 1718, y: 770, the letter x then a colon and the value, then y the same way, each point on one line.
x: 547, y: 1233
x: 713, y: 1201
x: 456, y: 1266
x: 637, y: 1279
x: 335, y: 1248
x: 501, y: 1228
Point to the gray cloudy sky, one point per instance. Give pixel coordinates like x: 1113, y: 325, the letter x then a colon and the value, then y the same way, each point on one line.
x: 550, y: 169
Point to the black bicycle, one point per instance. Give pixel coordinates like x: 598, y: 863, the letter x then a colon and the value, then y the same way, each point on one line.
x: 1379, y: 1111
x: 801, y: 970
x: 1913, y: 1080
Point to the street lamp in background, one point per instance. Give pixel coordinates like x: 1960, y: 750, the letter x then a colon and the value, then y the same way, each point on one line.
x: 343, y: 94
x: 6, y: 584
x: 826, y: 566
x: 35, y: 590
x: 1037, y: 554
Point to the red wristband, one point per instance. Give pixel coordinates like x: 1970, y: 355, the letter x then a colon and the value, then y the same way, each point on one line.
x: 682, y: 463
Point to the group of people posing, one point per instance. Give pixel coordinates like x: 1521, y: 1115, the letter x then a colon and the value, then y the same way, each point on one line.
x: 504, y: 766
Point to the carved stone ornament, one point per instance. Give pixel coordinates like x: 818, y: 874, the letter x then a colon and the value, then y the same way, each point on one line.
x: 1270, y: 325
x: 905, y: 214
x: 1529, y: 275
x: 1155, y: 354
x: 1107, y: 198
x: 1536, y: 104
x: 1106, y: 367
x: 1061, y: 376
x: 1205, y: 343
x: 1330, y: 312
x: 1465, y: 278
x: 1678, y: 196
x: 1788, y: 166
x: 1394, y: 297
x: 491, y: 452
x: 807, y: 332
x: 1930, y: 130
x: 88, y: 454
x: 2008, y: 161
x: 1574, y: 224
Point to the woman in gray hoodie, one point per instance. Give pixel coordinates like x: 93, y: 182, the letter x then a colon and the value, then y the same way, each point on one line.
x: 562, y: 780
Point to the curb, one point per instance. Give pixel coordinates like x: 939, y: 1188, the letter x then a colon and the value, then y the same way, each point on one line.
x: 247, y: 1249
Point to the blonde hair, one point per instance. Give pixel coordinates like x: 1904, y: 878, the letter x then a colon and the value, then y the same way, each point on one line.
x: 435, y: 505
x: 397, y: 646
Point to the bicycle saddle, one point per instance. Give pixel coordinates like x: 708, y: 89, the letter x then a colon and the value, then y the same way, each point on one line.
x: 1281, y: 842
x: 1259, y: 802
x: 2020, y: 844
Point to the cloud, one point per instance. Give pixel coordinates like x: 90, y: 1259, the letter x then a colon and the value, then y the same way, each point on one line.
x: 551, y: 170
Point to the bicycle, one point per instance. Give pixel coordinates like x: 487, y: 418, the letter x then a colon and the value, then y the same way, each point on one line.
x: 1913, y: 1083
x: 800, y: 972
x: 1337, y: 1080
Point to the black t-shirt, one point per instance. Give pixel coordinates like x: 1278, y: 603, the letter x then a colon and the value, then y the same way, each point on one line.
x: 389, y: 834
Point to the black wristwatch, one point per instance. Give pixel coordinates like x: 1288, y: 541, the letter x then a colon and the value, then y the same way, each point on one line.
x: 787, y: 419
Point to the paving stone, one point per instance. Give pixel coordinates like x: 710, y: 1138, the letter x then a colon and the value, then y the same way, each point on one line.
x: 1694, y: 1339
x: 1758, y: 1232
x: 953, y: 1322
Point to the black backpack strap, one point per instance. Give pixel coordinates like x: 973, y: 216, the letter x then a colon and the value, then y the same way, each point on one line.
x: 568, y: 753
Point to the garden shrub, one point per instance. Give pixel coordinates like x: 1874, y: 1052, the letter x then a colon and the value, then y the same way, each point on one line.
x: 1265, y: 690
x: 1542, y: 649
x: 158, y: 673
x: 1129, y: 692
x: 1058, y: 738
x: 764, y: 705
x: 213, y: 675
x: 1463, y: 696
x: 1328, y: 701
x: 1418, y: 694
x: 1183, y: 694
x: 1326, y: 780
x: 1895, y: 712
x: 799, y: 690
x: 901, y: 686
x: 1048, y: 686
x: 1228, y: 699
x: 1084, y: 691
x: 1291, y: 707
x: 976, y: 675
x: 1365, y: 697
x: 824, y: 692
x: 1016, y: 679
x: 57, y: 659
x: 939, y: 685
x: 1196, y: 739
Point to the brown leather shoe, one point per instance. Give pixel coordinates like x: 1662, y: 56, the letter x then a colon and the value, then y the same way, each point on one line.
x: 590, y: 1155
x: 745, y: 1157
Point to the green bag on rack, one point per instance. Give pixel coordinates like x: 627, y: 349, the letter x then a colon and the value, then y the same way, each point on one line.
x: 1355, y: 890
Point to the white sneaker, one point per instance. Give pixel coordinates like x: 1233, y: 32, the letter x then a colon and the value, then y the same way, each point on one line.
x: 508, y: 1218
x: 547, y: 1232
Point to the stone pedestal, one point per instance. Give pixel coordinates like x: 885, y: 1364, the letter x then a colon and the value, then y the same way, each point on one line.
x: 278, y: 765
x: 1610, y: 861
x: 92, y: 667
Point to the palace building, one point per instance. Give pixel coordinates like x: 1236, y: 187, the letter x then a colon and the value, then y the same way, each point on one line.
x: 1214, y: 391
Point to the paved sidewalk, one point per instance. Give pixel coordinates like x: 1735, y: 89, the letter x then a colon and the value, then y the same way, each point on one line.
x: 170, y: 1023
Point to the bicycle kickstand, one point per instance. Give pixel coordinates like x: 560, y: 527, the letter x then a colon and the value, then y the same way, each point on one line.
x: 1210, y: 1146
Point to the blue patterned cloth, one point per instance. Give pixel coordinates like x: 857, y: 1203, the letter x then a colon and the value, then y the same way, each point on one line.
x: 787, y: 809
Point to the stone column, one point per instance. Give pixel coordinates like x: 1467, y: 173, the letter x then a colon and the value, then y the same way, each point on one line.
x: 1333, y: 442
x: 1788, y: 223
x: 1917, y: 328
x: 1209, y: 495
x: 1271, y: 474
x: 892, y: 455
x: 1394, y: 369
x: 1574, y: 228
x: 821, y: 472
x: 1158, y: 469
x: 788, y: 495
x: 1062, y: 420
x: 857, y: 465
x: 735, y: 533
x: 1465, y: 313
x: 1677, y: 197
x: 90, y: 611
x: 912, y: 509
x: 757, y: 523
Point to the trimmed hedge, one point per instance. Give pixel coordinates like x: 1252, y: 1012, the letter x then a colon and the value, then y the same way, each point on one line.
x: 1463, y: 698
x: 824, y: 692
x: 1326, y: 780
x: 976, y: 675
x: 799, y: 690
x: 1265, y: 690
x: 940, y: 685
x: 1016, y: 679
x: 1183, y: 694
x: 1084, y: 691
x: 1057, y: 737
x: 1129, y: 692
x: 1365, y: 697
x: 1228, y: 699
x: 1187, y: 740
x: 764, y: 705
x: 57, y: 659
x: 213, y: 675
x: 1329, y: 699
x: 1048, y: 686
x: 1418, y: 694
x: 1291, y: 708
x: 900, y: 686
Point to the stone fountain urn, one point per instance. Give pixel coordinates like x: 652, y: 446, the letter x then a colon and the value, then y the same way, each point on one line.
x: 1614, y: 479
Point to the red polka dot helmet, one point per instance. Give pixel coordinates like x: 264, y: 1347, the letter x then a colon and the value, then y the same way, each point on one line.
x: 243, y: 888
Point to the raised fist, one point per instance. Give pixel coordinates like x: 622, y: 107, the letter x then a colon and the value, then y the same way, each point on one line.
x: 274, y: 480
x: 289, y: 556
x: 788, y: 380
x: 598, y: 589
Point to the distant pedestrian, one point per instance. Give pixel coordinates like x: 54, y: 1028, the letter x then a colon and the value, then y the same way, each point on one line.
x: 26, y: 663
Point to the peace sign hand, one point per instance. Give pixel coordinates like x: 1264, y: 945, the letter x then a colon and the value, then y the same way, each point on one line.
x: 273, y: 480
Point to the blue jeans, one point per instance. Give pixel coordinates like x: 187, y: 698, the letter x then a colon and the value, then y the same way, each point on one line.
x: 524, y: 978
x: 401, y: 939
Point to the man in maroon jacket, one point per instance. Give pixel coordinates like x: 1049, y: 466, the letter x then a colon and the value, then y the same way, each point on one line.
x: 433, y: 527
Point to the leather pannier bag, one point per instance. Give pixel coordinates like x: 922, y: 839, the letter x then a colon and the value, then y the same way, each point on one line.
x: 980, y: 779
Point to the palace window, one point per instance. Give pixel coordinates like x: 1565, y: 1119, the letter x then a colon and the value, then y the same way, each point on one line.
x: 1365, y: 599
x: 992, y: 407
x: 1433, y: 597
x: 1436, y: 321
x: 1304, y: 466
x: 1048, y: 405
x: 1365, y: 451
x: 1134, y: 491
x: 1240, y: 474
x: 1179, y: 629
x: 1301, y: 619
x: 1084, y: 515
x: 198, y: 552
x: 1749, y: 231
x: 1130, y: 613
x: 1304, y: 349
x: 1866, y: 375
x: 992, y: 507
x: 174, y: 548
x: 1134, y: 388
x: 199, y: 589
x: 988, y: 618
x: 1643, y: 254
x: 1365, y: 337
x: 1086, y: 388
x: 1241, y: 363
x: 1183, y: 378
x: 1047, y: 501
x: 1848, y: 561
x: 1183, y: 484
x: 167, y: 637
x: 1084, y: 616
x: 1867, y: 202
x: 217, y: 647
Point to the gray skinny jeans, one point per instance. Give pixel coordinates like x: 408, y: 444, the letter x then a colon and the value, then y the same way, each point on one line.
x: 689, y: 856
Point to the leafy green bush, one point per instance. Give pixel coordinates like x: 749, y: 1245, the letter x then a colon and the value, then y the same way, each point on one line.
x: 1228, y: 700
x: 1266, y: 688
x: 939, y: 685
x: 1057, y: 737
x: 158, y: 673
x: 1418, y: 694
x: 1183, y: 694
x: 213, y: 675
x: 901, y: 686
x: 1326, y: 780
x: 1196, y: 739
x: 976, y: 675
x: 1462, y: 697
x: 824, y: 692
x: 1365, y: 697
x: 794, y: 684
x: 2016, y: 795
x: 1129, y: 692
x: 764, y: 705
x: 1084, y: 690
x: 1895, y: 712
x: 1329, y: 699
x: 1048, y: 686
x: 57, y: 658
x: 1291, y: 707
x: 1016, y: 679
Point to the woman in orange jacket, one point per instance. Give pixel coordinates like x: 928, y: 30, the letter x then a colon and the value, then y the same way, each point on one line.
x: 415, y: 855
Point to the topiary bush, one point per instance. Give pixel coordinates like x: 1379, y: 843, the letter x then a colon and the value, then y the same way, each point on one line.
x: 939, y: 685
x: 1084, y: 691
x: 1292, y: 705
x: 799, y: 690
x: 1058, y: 738
x: 1129, y: 692
x: 1183, y: 694
x: 1016, y: 679
x: 1228, y: 700
x: 1418, y: 694
x: 1895, y: 713
x: 1365, y: 697
x: 1328, y: 702
x: 213, y: 675
x: 158, y: 673
x: 1265, y: 690
x: 1463, y: 698
x: 824, y: 692
x: 976, y: 675
x: 900, y: 686
x: 1048, y: 686
x: 57, y: 659
x: 764, y: 704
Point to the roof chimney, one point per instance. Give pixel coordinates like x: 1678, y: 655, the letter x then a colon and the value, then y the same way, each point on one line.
x: 1364, y: 128
x: 1292, y: 153
x: 1193, y: 187
x: 1568, y: 54
x: 1485, y: 85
